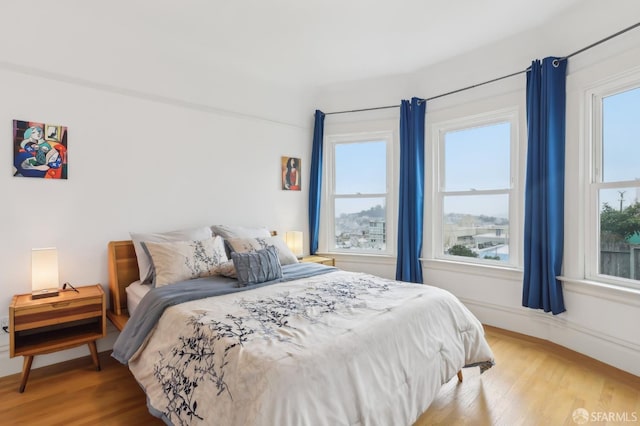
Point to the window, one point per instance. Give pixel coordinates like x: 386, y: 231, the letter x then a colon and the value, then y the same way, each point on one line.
x: 615, y: 186
x: 360, y: 202
x: 475, y: 191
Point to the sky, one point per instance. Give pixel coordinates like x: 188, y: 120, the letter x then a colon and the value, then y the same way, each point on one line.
x: 478, y: 158
x: 358, y: 167
x: 481, y: 162
x: 621, y: 135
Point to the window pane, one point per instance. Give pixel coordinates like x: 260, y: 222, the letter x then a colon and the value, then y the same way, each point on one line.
x: 361, y: 168
x: 620, y: 232
x: 621, y: 136
x: 361, y: 224
x: 477, y: 158
x: 476, y: 226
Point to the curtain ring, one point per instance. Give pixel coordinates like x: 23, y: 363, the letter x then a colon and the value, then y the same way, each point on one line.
x: 555, y: 63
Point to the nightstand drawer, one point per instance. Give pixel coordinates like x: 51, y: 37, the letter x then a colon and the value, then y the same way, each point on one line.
x: 56, y: 312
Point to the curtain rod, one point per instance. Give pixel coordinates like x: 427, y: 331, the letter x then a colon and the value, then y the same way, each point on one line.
x: 498, y: 78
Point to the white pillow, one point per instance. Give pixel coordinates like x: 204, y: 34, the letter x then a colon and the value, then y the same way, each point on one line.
x: 144, y: 261
x: 185, y: 260
x: 247, y: 245
x: 233, y: 231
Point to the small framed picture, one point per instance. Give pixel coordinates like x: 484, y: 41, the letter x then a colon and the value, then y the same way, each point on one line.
x: 291, y: 174
x: 52, y: 133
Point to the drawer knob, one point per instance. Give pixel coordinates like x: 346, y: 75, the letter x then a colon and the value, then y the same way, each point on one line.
x: 60, y: 304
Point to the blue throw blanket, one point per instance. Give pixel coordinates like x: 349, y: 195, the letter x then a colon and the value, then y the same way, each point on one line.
x: 157, y: 300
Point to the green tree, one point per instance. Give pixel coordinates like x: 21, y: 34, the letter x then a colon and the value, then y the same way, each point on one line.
x: 496, y: 257
x: 460, y: 250
x: 622, y: 223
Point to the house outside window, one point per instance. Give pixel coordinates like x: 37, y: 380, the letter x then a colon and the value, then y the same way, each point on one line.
x: 614, y: 187
x: 359, y: 192
x: 475, y: 219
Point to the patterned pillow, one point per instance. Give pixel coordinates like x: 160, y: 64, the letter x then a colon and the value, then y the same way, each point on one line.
x: 247, y: 245
x: 227, y: 269
x: 234, y: 231
x: 185, y: 260
x: 144, y: 260
x: 257, y: 267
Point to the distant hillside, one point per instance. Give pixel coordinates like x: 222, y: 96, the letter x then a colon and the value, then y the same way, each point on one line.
x: 376, y: 212
x: 356, y: 223
x: 472, y: 220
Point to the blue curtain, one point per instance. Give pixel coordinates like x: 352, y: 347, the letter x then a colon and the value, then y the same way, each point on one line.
x: 315, y: 182
x: 411, y: 199
x: 544, y: 191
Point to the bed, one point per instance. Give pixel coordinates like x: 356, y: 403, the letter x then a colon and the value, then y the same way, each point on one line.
x: 319, y: 346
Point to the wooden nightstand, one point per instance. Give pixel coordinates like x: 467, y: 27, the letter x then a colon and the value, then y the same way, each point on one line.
x: 319, y: 259
x: 52, y: 324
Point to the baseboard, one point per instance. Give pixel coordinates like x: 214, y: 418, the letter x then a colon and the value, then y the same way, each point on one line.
x: 619, y: 353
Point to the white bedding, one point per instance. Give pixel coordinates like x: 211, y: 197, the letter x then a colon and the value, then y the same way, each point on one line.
x: 337, y: 349
x: 135, y: 292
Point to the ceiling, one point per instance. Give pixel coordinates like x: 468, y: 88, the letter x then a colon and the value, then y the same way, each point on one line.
x: 295, y: 43
x: 302, y: 42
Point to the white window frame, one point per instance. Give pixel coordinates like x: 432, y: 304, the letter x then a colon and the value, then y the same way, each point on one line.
x: 516, y: 195
x: 594, y: 184
x: 330, y: 194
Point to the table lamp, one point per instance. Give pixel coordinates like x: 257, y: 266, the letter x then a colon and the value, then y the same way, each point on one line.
x: 294, y: 242
x: 44, y: 272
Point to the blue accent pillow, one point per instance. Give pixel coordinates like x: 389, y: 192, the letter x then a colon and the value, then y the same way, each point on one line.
x: 257, y: 267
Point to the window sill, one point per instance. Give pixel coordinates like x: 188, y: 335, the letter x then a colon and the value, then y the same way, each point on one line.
x: 360, y: 257
x: 614, y: 293
x: 500, y: 272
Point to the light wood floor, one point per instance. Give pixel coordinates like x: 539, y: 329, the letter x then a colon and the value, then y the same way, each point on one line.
x: 537, y: 383
x: 74, y: 393
x: 533, y: 383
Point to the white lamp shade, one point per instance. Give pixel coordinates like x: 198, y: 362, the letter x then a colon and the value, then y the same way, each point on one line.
x: 294, y: 242
x: 44, y: 269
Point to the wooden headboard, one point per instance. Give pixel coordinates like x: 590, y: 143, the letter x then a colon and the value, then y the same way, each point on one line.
x: 123, y: 270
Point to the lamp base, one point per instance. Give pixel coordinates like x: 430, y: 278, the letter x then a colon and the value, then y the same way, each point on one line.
x: 47, y: 292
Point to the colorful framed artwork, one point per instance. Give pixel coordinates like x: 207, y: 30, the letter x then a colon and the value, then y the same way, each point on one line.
x: 290, y: 174
x: 39, y: 150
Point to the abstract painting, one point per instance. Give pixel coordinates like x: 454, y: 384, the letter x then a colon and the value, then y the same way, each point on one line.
x: 39, y: 150
x: 290, y: 174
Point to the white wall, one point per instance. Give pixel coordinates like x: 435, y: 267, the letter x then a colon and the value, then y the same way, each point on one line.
x: 164, y: 146
x: 600, y: 321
